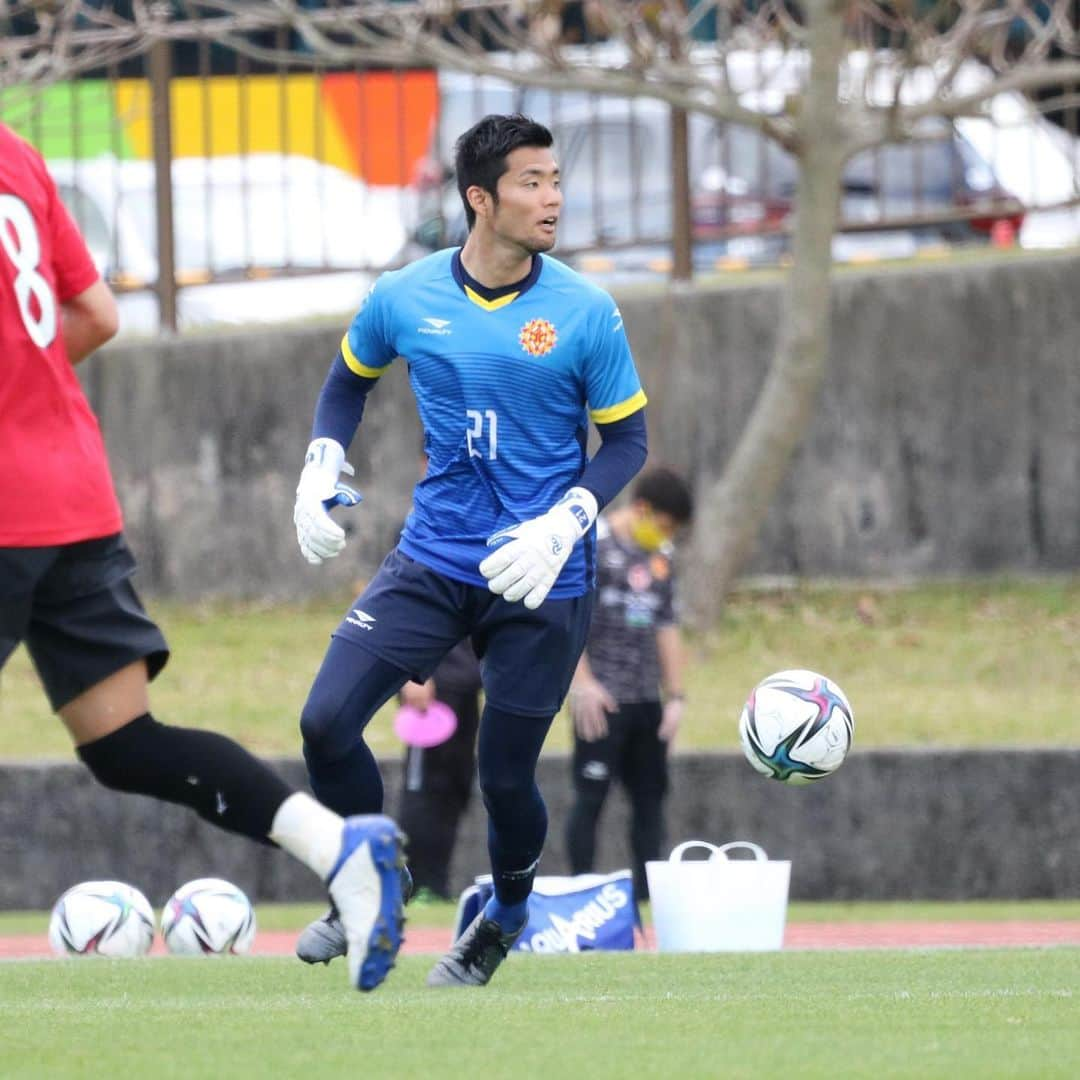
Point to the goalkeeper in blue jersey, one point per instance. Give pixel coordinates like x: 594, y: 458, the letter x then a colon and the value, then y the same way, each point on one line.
x: 510, y: 355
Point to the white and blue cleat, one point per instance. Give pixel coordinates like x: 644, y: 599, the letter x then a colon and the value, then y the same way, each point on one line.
x: 324, y: 939
x: 365, y: 887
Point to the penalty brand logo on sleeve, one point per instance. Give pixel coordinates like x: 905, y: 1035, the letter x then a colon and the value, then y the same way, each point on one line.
x: 435, y: 326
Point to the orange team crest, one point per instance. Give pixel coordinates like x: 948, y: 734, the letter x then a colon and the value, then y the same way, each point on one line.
x: 538, y: 337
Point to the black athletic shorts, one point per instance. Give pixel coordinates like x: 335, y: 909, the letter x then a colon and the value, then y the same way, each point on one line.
x: 76, y: 609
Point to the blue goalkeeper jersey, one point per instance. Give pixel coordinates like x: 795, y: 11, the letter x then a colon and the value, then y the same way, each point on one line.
x: 505, y: 389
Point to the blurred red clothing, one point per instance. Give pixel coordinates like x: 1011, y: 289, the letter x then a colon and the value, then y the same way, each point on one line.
x: 55, y: 485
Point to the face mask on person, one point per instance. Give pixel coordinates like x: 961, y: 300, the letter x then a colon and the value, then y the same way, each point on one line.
x: 647, y: 533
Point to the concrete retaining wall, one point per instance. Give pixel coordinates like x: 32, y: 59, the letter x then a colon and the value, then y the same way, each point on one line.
x: 955, y: 824
x: 947, y: 437
x: 947, y: 440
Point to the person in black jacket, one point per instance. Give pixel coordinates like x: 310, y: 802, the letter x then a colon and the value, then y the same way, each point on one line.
x: 627, y: 696
x: 437, y: 781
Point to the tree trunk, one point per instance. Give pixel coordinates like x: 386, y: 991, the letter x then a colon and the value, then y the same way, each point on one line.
x: 732, y: 509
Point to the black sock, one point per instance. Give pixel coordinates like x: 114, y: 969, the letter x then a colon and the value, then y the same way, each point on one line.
x: 213, y: 775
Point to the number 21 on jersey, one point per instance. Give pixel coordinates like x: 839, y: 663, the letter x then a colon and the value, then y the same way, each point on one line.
x: 479, y: 422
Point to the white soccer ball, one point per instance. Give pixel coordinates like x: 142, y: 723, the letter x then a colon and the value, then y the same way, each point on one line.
x: 102, y: 918
x: 796, y: 727
x: 208, y: 917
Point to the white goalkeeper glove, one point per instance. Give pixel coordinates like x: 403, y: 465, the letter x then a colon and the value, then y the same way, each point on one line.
x: 319, y: 536
x: 528, y: 562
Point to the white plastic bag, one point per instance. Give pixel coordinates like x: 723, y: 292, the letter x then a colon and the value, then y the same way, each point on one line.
x: 719, y: 904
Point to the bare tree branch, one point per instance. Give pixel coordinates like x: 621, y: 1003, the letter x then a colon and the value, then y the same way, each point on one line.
x: 648, y: 49
x: 657, y: 53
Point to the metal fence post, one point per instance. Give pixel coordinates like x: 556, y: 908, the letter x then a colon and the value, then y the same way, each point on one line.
x: 161, y: 125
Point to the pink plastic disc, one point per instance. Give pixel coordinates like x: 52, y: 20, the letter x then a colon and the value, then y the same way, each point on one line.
x: 425, y: 728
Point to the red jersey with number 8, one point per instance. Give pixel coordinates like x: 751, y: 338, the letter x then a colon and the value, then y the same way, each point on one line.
x: 55, y: 486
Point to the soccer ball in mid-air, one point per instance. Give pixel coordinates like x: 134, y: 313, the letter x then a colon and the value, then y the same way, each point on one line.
x: 103, y: 918
x: 796, y: 726
x: 208, y: 916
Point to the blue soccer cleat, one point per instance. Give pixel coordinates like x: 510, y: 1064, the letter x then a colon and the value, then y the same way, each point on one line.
x: 365, y: 888
x: 324, y: 939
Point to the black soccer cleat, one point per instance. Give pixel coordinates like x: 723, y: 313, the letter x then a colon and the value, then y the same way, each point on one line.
x: 475, y: 956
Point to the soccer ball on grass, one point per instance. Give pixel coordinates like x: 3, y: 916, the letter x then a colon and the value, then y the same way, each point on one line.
x: 102, y: 918
x: 796, y: 727
x: 206, y: 917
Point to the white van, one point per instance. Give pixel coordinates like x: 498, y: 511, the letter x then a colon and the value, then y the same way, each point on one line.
x: 260, y: 238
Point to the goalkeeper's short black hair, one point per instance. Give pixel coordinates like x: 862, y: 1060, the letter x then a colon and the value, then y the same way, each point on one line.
x: 666, y: 492
x: 480, y: 154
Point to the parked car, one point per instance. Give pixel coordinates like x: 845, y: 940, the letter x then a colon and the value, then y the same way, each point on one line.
x: 260, y: 238
x: 1039, y: 163
x: 616, y: 176
x: 614, y: 155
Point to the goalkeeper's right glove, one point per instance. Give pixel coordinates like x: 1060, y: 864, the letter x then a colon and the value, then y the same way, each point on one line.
x: 319, y: 490
x: 533, y: 552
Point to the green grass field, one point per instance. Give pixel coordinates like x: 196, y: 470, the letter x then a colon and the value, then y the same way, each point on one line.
x: 932, y: 1013
x: 979, y: 1013
x: 958, y: 663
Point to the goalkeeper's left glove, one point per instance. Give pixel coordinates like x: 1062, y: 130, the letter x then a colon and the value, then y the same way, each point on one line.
x: 319, y: 491
x: 528, y: 563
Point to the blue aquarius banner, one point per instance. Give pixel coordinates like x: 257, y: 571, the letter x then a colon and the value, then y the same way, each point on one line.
x: 567, y: 914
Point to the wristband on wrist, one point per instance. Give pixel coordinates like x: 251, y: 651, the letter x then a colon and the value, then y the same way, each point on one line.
x: 582, y: 506
x: 325, y: 454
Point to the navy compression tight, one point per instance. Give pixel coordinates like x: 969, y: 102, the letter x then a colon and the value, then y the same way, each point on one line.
x: 351, y: 686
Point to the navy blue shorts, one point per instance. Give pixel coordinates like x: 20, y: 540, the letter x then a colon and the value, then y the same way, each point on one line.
x: 411, y: 616
x: 76, y: 609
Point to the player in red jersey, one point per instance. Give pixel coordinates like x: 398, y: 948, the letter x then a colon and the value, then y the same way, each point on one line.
x: 65, y: 581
